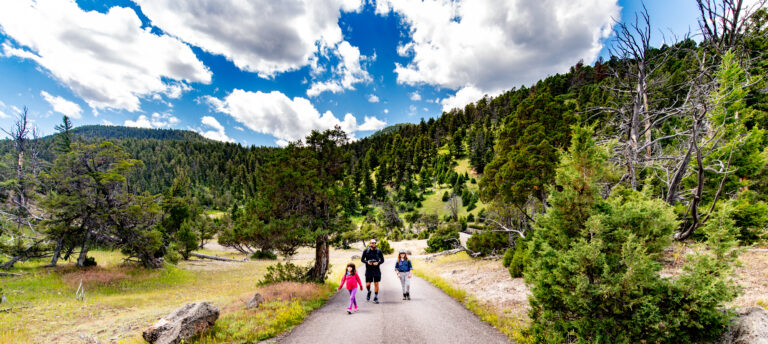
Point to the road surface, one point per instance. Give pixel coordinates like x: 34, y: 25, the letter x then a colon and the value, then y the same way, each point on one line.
x: 430, y: 316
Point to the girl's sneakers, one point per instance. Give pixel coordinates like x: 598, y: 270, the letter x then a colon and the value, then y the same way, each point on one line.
x: 404, y: 296
x: 349, y: 310
x: 355, y: 309
x: 407, y: 295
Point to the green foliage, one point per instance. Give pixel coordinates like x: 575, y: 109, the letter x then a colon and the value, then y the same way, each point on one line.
x: 488, y: 243
x: 445, y: 238
x: 446, y: 196
x: 750, y: 216
x: 424, y: 234
x: 187, y: 239
x: 507, y: 258
x: 173, y: 256
x: 268, y: 255
x: 519, y: 258
x: 385, y: 247
x: 594, y: 269
x: 287, y: 272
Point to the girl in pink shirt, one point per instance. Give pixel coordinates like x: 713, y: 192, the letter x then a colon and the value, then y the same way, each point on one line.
x: 353, y: 281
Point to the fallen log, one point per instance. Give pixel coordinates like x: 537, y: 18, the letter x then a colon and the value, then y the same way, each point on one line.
x: 9, y: 274
x: 205, y: 256
x: 6, y: 310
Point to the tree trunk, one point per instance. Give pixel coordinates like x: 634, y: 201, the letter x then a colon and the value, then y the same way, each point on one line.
x: 83, y: 251
x: 57, y: 251
x: 318, y: 272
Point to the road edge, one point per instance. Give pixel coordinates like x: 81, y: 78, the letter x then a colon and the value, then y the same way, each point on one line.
x: 513, y: 330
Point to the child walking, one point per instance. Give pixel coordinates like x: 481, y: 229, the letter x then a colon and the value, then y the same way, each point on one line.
x: 353, y: 281
x: 404, y: 270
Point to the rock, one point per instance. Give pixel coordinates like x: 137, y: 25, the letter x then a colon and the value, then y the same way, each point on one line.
x: 255, y: 301
x: 182, y: 324
x: 355, y: 257
x: 87, y: 338
x: 3, y: 299
x: 408, y: 253
x: 750, y: 326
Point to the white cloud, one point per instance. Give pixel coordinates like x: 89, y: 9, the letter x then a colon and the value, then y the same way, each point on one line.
x: 495, y: 45
x: 3, y: 114
x: 284, y: 118
x: 415, y: 96
x: 386, y: 110
x: 141, y: 122
x: 62, y: 106
x: 373, y: 98
x: 163, y: 120
x: 463, y: 97
x: 345, y: 75
x: 371, y: 123
x: 156, y: 120
x: 261, y: 36
x: 218, y: 133
x: 106, y: 122
x: 107, y: 59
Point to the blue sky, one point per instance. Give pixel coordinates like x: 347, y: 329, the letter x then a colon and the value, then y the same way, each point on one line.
x: 267, y: 72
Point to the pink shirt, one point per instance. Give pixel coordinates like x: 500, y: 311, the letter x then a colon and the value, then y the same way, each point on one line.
x: 352, y: 281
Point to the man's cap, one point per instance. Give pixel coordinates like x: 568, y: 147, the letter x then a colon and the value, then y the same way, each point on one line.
x: 373, y: 241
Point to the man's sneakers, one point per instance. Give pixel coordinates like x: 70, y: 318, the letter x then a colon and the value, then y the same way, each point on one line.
x: 368, y: 297
x: 408, y: 296
x: 376, y: 299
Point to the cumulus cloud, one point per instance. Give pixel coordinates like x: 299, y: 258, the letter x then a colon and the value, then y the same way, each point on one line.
x: 217, y: 131
x: 286, y: 119
x: 415, y: 96
x: 495, y: 45
x: 107, y: 59
x: 141, y: 122
x: 156, y: 120
x: 463, y: 97
x: 62, y: 106
x: 373, y: 98
x: 261, y: 36
x: 345, y: 75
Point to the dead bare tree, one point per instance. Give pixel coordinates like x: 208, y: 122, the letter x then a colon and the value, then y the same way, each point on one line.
x: 636, y: 113
x: 722, y: 21
x: 454, y: 205
x: 20, y: 187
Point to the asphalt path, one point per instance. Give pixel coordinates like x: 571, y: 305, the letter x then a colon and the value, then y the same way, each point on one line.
x: 431, y: 316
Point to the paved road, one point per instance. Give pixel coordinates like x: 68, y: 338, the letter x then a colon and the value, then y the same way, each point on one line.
x: 430, y: 316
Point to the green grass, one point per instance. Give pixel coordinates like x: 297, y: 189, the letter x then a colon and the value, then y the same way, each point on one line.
x: 119, y: 300
x: 433, y: 203
x: 514, y: 329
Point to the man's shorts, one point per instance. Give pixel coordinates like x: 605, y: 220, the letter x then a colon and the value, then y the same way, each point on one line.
x: 372, y: 275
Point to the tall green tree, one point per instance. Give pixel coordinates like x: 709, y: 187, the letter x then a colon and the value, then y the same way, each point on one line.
x: 595, y: 263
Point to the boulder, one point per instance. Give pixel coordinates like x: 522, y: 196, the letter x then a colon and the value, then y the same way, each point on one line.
x: 182, y: 324
x: 355, y: 257
x: 750, y: 326
x: 255, y: 301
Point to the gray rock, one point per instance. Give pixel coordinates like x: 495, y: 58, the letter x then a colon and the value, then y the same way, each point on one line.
x: 182, y: 324
x: 355, y: 257
x: 3, y: 299
x: 750, y: 326
x: 255, y: 301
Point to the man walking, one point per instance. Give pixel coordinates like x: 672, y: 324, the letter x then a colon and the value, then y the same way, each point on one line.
x: 372, y: 258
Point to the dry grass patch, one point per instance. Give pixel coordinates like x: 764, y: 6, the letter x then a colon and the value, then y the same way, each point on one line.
x: 90, y: 277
